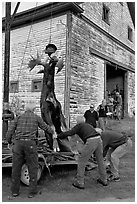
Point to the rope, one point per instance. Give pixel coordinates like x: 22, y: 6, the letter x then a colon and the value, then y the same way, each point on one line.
x: 31, y: 29
x: 50, y: 23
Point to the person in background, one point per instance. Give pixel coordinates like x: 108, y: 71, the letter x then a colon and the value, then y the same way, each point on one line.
x: 23, y: 131
x: 115, y: 145
x: 92, y: 143
x: 118, y: 107
x: 102, y: 111
x: 91, y: 116
x: 110, y: 102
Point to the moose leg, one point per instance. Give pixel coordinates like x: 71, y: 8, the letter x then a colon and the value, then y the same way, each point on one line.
x: 64, y: 144
x: 46, y: 116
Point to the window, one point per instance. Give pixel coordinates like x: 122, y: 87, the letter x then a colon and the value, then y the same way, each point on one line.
x: 36, y: 85
x: 14, y: 86
x: 105, y: 15
x: 130, y: 34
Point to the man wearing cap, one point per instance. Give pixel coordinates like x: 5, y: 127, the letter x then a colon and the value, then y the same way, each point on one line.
x: 23, y: 130
x: 91, y: 116
x: 92, y: 143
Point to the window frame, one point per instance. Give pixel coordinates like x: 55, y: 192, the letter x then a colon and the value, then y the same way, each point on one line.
x: 106, y: 20
x: 33, y: 83
x: 130, y: 34
x: 16, y: 90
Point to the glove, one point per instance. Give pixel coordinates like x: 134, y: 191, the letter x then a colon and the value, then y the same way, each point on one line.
x: 55, y: 145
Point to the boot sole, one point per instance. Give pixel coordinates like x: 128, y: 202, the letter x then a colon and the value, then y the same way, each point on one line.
x: 80, y: 187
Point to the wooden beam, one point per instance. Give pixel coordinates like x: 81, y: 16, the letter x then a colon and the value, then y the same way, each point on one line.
x: 111, y: 60
x: 15, y: 11
x: 6, y: 67
x: 68, y: 69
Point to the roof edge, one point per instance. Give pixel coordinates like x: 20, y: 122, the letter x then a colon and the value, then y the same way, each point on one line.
x: 42, y: 12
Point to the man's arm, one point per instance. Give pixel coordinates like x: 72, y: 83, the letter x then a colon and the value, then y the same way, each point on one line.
x: 11, y: 130
x: 44, y: 126
x: 96, y: 115
x: 105, y: 149
x: 85, y: 114
x: 71, y: 132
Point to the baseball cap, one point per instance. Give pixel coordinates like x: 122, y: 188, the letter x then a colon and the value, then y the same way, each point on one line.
x: 91, y: 106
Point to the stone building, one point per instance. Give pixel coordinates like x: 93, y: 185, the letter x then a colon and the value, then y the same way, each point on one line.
x: 97, y: 42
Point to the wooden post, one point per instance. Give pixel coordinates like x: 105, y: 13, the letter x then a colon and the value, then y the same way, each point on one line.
x: 68, y: 69
x: 126, y: 93
x: 105, y: 79
x: 8, y: 20
x: 6, y: 65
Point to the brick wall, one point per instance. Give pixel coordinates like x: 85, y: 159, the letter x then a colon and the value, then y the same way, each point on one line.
x: 87, y: 75
x: 26, y: 41
x: 119, y: 19
x: 87, y: 71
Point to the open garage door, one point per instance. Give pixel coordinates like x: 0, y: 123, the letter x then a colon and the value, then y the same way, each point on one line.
x: 115, y: 80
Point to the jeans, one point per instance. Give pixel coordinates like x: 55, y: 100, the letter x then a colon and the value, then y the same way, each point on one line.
x: 114, y: 155
x: 24, y: 152
x: 102, y: 122
x: 91, y: 145
x: 118, y: 112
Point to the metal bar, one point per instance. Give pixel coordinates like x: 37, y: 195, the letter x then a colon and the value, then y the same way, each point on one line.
x: 15, y: 11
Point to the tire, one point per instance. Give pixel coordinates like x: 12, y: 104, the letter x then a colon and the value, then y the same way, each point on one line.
x: 25, y: 174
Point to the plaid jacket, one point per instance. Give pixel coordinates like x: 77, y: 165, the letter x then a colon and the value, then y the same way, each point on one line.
x: 26, y: 126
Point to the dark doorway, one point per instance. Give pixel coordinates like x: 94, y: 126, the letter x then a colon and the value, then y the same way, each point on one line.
x: 115, y: 81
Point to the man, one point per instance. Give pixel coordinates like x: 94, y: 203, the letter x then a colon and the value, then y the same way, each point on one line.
x: 118, y: 107
x: 92, y: 142
x: 102, y: 111
x: 91, y: 116
x: 24, y: 129
x: 110, y: 101
x: 115, y: 146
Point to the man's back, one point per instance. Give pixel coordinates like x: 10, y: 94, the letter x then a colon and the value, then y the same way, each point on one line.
x: 27, y: 124
x: 112, y: 138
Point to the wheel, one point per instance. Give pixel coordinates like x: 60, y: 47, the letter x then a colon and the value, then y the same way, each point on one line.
x: 25, y: 174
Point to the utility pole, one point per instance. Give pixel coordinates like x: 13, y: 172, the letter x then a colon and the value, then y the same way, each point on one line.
x: 6, y: 65
x: 8, y: 20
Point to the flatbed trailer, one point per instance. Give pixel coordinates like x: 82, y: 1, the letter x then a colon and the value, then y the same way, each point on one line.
x: 46, y: 158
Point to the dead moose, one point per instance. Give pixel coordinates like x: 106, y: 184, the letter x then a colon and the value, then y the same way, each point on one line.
x: 50, y: 107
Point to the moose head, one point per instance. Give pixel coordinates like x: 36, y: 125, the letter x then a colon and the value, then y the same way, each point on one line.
x: 52, y: 59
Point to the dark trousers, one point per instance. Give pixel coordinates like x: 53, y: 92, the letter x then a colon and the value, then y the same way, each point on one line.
x: 24, y: 152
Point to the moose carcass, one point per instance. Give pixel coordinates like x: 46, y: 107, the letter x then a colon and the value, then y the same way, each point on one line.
x: 50, y: 107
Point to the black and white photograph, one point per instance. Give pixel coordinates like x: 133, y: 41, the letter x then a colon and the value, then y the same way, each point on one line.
x: 68, y: 101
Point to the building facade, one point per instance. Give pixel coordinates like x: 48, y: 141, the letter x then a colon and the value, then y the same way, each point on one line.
x: 97, y: 42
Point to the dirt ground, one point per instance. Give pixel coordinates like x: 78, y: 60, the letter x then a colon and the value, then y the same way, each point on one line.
x: 58, y: 188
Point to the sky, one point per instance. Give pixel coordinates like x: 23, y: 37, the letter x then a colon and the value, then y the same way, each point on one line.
x: 22, y: 7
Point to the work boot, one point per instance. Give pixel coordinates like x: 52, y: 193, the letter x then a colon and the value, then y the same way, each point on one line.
x: 104, y: 183
x: 78, y: 185
x: 13, y: 195
x: 33, y: 194
x: 113, y: 178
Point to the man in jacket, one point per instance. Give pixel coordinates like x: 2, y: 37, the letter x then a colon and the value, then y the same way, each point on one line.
x: 91, y: 116
x: 115, y: 145
x: 23, y: 130
x: 92, y: 142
